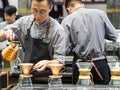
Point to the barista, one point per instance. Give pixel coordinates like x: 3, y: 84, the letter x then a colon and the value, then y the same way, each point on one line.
x: 41, y: 36
x: 86, y: 30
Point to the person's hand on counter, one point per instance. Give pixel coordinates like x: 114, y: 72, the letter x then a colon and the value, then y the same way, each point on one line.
x: 41, y: 65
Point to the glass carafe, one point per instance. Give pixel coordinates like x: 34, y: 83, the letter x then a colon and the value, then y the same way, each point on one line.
x: 115, y: 73
x: 84, y: 73
x: 55, y: 81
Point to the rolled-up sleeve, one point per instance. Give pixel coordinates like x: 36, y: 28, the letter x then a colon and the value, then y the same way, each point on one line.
x: 68, y: 44
x: 59, y: 46
x: 110, y: 31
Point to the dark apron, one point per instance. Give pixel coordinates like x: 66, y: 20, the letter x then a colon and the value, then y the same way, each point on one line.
x: 101, y: 65
x: 37, y: 50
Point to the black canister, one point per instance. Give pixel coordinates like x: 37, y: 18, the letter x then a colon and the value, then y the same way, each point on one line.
x: 4, y: 79
x: 0, y: 82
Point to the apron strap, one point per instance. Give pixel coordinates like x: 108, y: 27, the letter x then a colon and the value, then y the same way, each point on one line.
x: 99, y: 74
x: 48, y: 28
x: 90, y: 60
x: 28, y: 30
x: 47, y: 31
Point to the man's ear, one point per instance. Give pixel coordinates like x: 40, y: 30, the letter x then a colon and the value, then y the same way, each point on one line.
x: 15, y: 14
x: 51, y: 7
x: 68, y: 10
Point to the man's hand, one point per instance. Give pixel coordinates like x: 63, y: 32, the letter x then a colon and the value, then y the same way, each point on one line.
x: 2, y: 35
x: 10, y: 35
x: 41, y: 65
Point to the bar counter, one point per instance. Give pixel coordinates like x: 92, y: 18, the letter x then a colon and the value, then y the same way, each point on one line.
x: 72, y: 87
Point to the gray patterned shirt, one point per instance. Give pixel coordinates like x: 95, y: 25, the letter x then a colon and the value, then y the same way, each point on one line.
x: 56, y: 34
x: 86, y: 31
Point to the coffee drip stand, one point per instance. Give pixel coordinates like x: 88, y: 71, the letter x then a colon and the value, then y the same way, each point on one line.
x: 25, y: 81
x: 115, y: 73
x: 54, y: 81
x: 84, y: 73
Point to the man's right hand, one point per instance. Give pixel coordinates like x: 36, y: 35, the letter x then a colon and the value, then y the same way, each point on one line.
x: 7, y: 35
x: 10, y: 35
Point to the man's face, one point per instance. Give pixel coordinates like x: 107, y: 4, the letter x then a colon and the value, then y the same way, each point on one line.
x: 10, y: 19
x: 40, y: 10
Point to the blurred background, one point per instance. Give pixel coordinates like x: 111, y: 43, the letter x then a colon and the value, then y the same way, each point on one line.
x: 111, y: 7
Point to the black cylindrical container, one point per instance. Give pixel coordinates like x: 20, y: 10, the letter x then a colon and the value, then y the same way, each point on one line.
x: 0, y: 82
x: 4, y: 79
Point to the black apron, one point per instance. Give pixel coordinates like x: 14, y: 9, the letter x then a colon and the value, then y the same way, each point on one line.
x: 37, y: 50
x: 101, y: 65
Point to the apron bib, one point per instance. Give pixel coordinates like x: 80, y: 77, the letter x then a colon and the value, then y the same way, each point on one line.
x: 37, y: 50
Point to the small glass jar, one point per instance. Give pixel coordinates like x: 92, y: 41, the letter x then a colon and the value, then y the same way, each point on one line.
x: 25, y: 83
x: 55, y: 82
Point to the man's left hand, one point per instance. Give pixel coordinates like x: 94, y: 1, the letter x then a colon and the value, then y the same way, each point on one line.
x: 41, y: 65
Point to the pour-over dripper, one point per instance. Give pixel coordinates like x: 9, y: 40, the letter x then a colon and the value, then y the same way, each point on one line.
x: 54, y: 80
x: 84, y: 73
x: 114, y: 65
x: 25, y: 81
x: 55, y: 68
x: 84, y: 65
x: 26, y: 67
x: 115, y: 73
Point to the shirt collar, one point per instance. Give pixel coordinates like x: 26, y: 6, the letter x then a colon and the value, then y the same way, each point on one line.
x: 43, y: 24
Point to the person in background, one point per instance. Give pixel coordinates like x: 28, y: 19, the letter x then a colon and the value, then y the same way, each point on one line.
x: 42, y: 39
x: 86, y: 31
x: 9, y: 16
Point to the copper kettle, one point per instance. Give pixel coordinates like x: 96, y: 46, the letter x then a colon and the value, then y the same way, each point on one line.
x: 10, y: 52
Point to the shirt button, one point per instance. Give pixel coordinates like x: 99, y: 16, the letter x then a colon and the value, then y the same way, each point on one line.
x: 40, y: 27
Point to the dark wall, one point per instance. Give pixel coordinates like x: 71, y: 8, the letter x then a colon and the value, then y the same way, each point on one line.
x: 5, y: 3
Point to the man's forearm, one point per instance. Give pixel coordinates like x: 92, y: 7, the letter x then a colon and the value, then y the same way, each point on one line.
x: 2, y: 35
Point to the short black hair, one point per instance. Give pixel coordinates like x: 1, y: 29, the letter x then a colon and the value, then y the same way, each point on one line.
x: 10, y: 10
x: 50, y: 2
x: 67, y: 2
